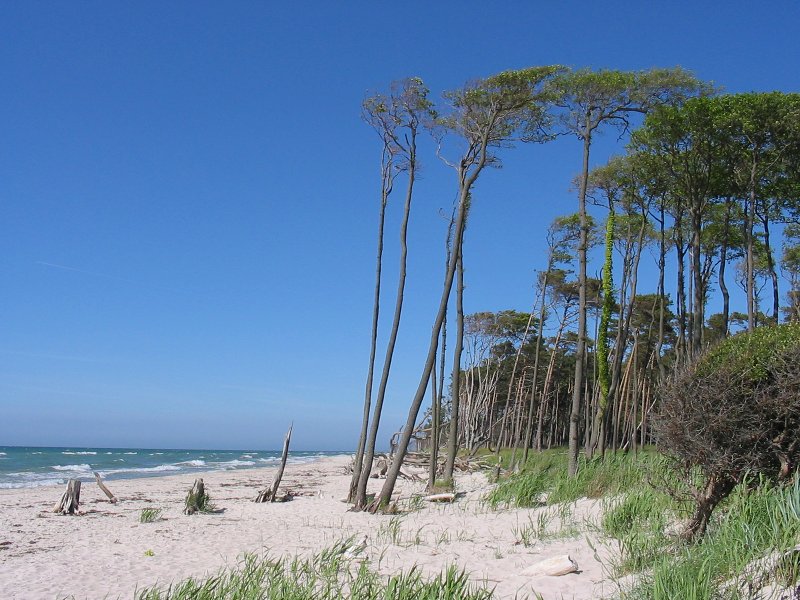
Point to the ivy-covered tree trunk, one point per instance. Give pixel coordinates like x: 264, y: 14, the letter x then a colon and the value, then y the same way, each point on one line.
x: 597, y: 440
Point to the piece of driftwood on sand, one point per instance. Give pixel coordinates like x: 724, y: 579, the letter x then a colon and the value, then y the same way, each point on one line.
x: 111, y: 497
x: 196, y: 499
x: 68, y: 505
x: 270, y: 494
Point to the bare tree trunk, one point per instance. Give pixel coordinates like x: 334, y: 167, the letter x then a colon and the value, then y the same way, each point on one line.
x: 385, y: 495
x: 434, y: 436
x: 662, y: 263
x: 580, y: 348
x: 386, y: 189
x: 537, y: 351
x: 271, y: 493
x: 715, y: 491
x: 452, y: 440
x: 723, y: 259
x: 361, y: 492
x: 70, y: 501
x: 771, y: 265
x: 749, y: 213
x: 196, y: 498
x: 106, y: 491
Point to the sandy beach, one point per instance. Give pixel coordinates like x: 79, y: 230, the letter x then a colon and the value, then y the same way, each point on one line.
x: 107, y: 553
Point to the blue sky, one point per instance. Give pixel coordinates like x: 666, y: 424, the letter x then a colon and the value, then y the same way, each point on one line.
x: 189, y: 198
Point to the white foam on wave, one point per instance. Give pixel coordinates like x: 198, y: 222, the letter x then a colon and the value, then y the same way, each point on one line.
x: 268, y: 460
x: 75, y: 468
x: 130, y: 453
x: 194, y: 463
x: 2, y: 454
x: 246, y: 456
x: 158, y: 469
x: 79, y: 453
x: 232, y: 464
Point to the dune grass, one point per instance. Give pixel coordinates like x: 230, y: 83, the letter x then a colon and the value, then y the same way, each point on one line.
x: 544, y: 480
x: 749, y: 544
x: 149, y: 515
x: 326, y: 576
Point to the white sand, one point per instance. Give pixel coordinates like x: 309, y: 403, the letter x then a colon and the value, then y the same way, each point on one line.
x: 107, y: 553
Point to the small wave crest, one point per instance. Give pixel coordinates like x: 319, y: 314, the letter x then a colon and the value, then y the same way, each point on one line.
x: 158, y: 469
x: 79, y: 453
x: 74, y: 468
x: 232, y: 464
x: 194, y: 463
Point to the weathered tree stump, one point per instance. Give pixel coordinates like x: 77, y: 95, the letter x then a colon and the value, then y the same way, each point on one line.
x: 111, y: 497
x: 270, y: 494
x: 196, y: 499
x: 71, y: 498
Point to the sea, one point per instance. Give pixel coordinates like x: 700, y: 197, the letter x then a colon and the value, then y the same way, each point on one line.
x: 23, y: 467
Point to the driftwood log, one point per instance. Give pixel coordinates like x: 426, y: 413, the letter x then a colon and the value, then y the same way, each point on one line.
x: 553, y: 567
x: 111, y: 497
x: 196, y: 499
x: 446, y: 497
x: 68, y: 505
x: 270, y: 494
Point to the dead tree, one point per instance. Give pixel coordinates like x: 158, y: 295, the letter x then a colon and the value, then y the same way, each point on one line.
x: 68, y: 505
x: 270, y: 494
x: 196, y: 499
x: 111, y: 497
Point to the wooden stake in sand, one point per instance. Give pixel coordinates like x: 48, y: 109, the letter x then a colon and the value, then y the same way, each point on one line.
x: 111, y: 497
x: 71, y: 498
x: 196, y: 499
x: 270, y: 494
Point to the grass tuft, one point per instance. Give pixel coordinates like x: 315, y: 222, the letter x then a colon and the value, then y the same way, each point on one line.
x: 150, y: 515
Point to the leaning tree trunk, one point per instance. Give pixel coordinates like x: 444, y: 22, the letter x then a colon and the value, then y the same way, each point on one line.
x: 358, y: 463
x: 270, y: 494
x: 452, y: 440
x: 385, y: 495
x: 361, y: 492
x: 102, y: 486
x: 717, y: 489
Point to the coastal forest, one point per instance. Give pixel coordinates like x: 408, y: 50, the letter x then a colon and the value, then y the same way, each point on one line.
x: 704, y: 184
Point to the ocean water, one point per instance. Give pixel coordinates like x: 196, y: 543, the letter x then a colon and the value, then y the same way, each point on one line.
x: 22, y: 467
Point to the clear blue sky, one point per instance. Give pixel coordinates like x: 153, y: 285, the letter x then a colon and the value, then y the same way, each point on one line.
x: 188, y: 198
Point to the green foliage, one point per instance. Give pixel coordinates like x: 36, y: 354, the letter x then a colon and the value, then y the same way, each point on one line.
x: 544, y: 477
x: 149, y: 515
x: 326, y: 576
x: 753, y: 354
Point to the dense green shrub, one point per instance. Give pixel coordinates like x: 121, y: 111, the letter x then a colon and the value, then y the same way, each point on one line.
x: 733, y: 412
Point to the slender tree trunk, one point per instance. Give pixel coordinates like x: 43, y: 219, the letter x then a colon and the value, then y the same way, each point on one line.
x: 369, y: 454
x: 452, y: 440
x: 466, y: 183
x: 434, y: 435
x: 386, y: 188
x: 575, y: 412
x: 699, y: 300
x: 771, y: 265
x: 662, y: 263
x: 749, y: 218
x: 537, y: 352
x: 597, y: 439
x: 723, y: 260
